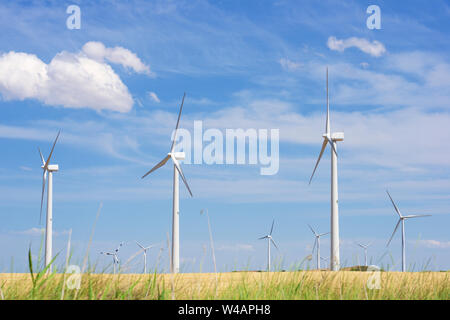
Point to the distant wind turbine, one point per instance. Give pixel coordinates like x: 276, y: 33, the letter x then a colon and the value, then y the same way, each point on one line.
x: 114, y: 256
x: 48, y: 168
x: 175, y: 156
x: 402, y: 221
x: 325, y: 259
x: 210, y: 238
x: 317, y: 244
x: 269, y: 240
x: 331, y: 139
x: 364, y: 246
x: 144, y: 249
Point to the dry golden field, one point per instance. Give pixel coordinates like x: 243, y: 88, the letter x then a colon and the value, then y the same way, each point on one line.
x: 232, y: 285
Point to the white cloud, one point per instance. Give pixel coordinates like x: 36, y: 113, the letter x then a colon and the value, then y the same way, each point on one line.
x: 374, y: 48
x: 97, y: 51
x: 434, y: 243
x: 236, y: 247
x: 154, y: 97
x: 364, y: 65
x: 39, y: 231
x: 71, y: 80
x: 290, y: 65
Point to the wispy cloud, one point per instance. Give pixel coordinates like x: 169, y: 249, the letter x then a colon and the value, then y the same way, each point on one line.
x: 290, y: 65
x: 39, y: 231
x: 434, y: 243
x: 236, y: 247
x: 97, y: 51
x: 374, y: 48
x: 154, y: 97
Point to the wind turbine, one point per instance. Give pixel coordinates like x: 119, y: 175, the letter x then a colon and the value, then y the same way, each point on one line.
x: 144, y: 249
x: 210, y: 238
x: 175, y: 156
x: 324, y: 259
x: 269, y: 240
x: 317, y: 243
x: 364, y: 246
x: 114, y: 256
x: 48, y: 168
x: 402, y: 220
x: 332, y: 139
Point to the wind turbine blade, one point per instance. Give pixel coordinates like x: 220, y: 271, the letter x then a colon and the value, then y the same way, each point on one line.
x: 395, y: 206
x: 312, y: 230
x: 274, y: 243
x: 396, y: 227
x: 177, y: 165
x: 142, y: 247
x: 178, y: 122
x: 314, y: 246
x: 271, y: 229
x: 324, y: 145
x: 324, y: 234
x: 265, y: 237
x: 327, y: 125
x: 44, y: 177
x: 120, y: 245
x: 159, y: 165
x: 417, y: 215
x: 42, y: 157
x: 51, y: 152
x: 331, y: 145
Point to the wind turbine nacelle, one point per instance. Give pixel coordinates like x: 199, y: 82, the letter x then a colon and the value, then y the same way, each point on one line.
x: 53, y: 167
x: 179, y: 155
x: 337, y: 136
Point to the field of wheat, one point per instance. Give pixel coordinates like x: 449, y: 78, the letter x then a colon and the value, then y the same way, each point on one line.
x: 232, y: 285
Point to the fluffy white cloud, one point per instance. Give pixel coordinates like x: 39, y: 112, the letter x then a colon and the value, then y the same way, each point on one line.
x: 97, y: 51
x: 71, y: 80
x: 374, y: 48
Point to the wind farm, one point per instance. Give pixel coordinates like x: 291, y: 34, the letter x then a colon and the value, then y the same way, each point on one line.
x: 247, y: 105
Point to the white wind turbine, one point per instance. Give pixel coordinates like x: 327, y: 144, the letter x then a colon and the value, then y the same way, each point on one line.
x: 325, y: 259
x: 48, y: 168
x: 317, y: 244
x: 402, y: 221
x: 364, y: 246
x: 210, y: 238
x: 175, y: 156
x: 269, y: 240
x: 144, y: 249
x: 332, y: 138
x: 114, y: 256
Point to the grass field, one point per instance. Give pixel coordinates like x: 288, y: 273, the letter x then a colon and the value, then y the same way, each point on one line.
x: 232, y: 285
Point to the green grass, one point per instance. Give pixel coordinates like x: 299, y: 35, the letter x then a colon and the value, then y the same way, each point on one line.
x: 233, y: 285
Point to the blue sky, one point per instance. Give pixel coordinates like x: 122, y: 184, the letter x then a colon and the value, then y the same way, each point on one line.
x: 252, y: 64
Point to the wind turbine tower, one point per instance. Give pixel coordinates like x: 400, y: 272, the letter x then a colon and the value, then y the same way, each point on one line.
x: 175, y: 156
x: 48, y: 169
x: 269, y: 240
x: 401, y: 220
x: 332, y: 139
